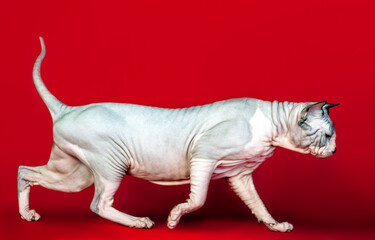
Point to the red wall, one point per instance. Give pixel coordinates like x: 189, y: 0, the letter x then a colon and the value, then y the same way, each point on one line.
x: 184, y: 53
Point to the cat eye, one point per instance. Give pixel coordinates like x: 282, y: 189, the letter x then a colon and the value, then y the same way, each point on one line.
x: 328, y: 136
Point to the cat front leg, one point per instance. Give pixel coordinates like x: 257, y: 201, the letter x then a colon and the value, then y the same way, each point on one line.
x: 244, y: 187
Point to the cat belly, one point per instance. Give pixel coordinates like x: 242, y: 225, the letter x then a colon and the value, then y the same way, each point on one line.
x: 161, y: 170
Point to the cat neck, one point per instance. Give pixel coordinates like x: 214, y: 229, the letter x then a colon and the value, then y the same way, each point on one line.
x: 281, y: 117
x: 280, y: 112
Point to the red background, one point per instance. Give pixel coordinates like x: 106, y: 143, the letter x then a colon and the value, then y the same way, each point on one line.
x: 184, y: 53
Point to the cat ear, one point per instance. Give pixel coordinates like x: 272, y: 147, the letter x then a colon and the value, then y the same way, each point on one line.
x: 313, y: 109
x: 327, y: 106
x: 310, y: 110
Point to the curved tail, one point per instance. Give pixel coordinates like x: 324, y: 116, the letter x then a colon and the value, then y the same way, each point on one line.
x: 53, y: 104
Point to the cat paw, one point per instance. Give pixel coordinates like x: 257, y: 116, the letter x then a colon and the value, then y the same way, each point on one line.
x: 280, y: 227
x: 30, y: 215
x: 174, y: 217
x: 143, y: 223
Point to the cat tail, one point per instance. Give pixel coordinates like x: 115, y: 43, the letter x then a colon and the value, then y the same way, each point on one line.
x: 53, y: 104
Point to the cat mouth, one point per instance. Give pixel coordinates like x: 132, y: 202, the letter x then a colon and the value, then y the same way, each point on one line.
x: 322, y: 155
x: 321, y: 152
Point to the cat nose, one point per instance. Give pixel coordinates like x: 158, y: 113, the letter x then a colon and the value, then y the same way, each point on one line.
x: 334, y: 150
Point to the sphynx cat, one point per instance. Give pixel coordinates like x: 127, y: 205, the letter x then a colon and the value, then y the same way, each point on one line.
x: 101, y: 143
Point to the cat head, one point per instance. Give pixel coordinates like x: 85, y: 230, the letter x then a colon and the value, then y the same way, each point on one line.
x: 311, y: 129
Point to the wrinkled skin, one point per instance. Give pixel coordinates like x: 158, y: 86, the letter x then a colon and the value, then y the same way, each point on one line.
x: 100, y: 143
x: 315, y: 131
